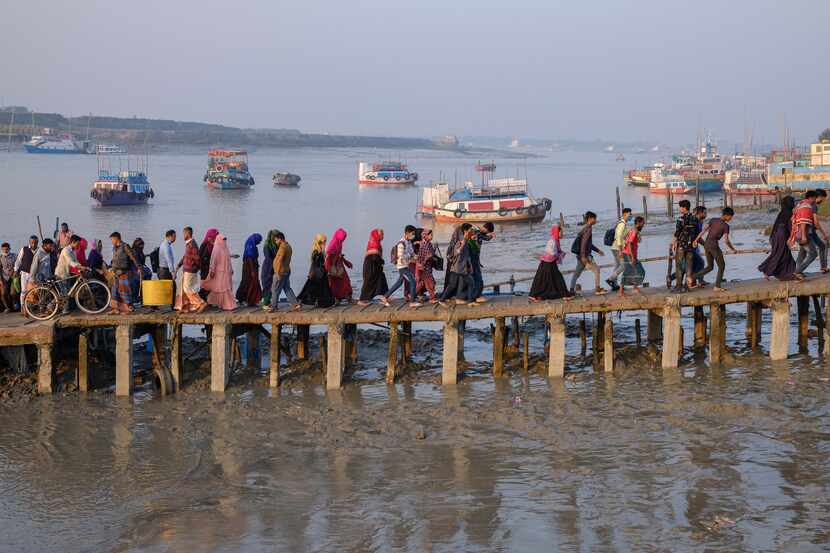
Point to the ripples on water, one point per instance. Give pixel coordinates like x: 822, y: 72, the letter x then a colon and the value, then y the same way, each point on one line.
x: 716, y: 459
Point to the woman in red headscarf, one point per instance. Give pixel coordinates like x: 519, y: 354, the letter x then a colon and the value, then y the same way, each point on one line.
x: 548, y: 284
x: 336, y: 265
x: 205, y: 251
x: 374, y: 279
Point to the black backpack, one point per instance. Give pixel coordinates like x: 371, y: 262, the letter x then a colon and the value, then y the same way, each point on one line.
x: 154, y: 260
x: 576, y: 247
x: 608, y: 239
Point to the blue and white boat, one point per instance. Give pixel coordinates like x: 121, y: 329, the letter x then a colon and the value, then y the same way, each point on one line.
x: 65, y: 144
x: 119, y: 186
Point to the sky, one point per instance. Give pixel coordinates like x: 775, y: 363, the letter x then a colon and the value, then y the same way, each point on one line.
x: 616, y: 70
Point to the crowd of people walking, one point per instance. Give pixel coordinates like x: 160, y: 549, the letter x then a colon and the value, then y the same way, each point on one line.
x: 203, y: 276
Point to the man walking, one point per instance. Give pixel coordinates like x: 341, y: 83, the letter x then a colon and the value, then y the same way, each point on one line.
x: 23, y: 263
x: 167, y: 263
x: 188, y: 299
x: 402, y: 255
x: 682, y: 245
x: 6, y: 276
x: 282, y: 274
x: 484, y: 234
x: 715, y: 229
x: 804, y: 232
x: 584, y: 248
x: 617, y: 246
x: 41, y: 269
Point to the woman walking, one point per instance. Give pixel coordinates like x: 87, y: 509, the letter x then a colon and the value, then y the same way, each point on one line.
x: 269, y: 252
x: 633, y: 271
x: 374, y: 279
x: 219, y: 282
x: 316, y: 291
x: 780, y: 263
x: 205, y: 251
x: 424, y: 265
x: 336, y: 265
x: 188, y: 299
x: 549, y: 284
x: 249, y: 291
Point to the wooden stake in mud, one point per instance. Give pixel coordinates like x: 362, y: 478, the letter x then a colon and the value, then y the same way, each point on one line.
x: 645, y: 209
x: 176, y: 357
x: 252, y: 347
x: 392, y: 353
x: 754, y: 312
x: 407, y: 340
x: 498, y: 347
x: 653, y: 327
x: 515, y: 333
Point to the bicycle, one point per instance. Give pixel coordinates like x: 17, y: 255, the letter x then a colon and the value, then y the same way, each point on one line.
x: 47, y: 298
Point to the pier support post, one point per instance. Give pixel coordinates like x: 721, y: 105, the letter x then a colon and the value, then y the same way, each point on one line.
x: 252, y: 353
x: 462, y: 327
x: 583, y: 337
x: 700, y: 327
x: 498, y: 348
x: 449, y: 373
x: 336, y: 357
x: 514, y: 323
x: 176, y: 357
x: 653, y: 326
x: 220, y: 356
x: 826, y: 328
x: 303, y: 332
x: 671, y: 334
x: 392, y: 354
x: 608, y: 345
x: 754, y: 311
x: 274, y: 356
x: 46, y: 370
x: 717, y: 331
x: 406, y: 330
x: 803, y: 304
x: 779, y: 343
x: 556, y: 349
x: 637, y: 332
x: 123, y: 360
x: 83, y: 362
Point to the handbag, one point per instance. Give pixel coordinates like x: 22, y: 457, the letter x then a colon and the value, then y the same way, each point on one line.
x: 437, y: 260
x: 16, y: 284
x: 337, y: 270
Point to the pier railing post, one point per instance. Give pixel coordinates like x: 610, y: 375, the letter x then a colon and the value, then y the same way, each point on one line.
x: 498, y: 347
x: 608, y: 349
x: 176, y: 357
x: 220, y: 353
x: 336, y: 357
x: 671, y: 333
x: 449, y: 372
x: 274, y: 356
x: 779, y: 342
x: 556, y: 349
x: 123, y: 360
x: 46, y: 369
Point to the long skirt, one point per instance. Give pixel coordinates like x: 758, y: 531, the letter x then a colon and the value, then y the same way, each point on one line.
x: 548, y: 283
x: 122, y: 292
x: 374, y: 279
x: 249, y: 291
x: 316, y: 292
x: 267, y: 278
x: 188, y: 298
x: 779, y: 263
x: 633, y: 272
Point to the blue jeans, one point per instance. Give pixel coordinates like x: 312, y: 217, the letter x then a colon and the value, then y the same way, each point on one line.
x: 279, y: 285
x: 404, y: 274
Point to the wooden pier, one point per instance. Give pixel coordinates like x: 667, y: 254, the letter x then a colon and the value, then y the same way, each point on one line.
x: 663, y: 311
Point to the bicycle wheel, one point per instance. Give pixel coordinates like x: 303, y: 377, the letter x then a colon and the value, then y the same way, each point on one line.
x: 93, y: 297
x: 41, y: 303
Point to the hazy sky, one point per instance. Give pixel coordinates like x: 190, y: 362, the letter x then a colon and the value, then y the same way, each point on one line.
x: 653, y: 70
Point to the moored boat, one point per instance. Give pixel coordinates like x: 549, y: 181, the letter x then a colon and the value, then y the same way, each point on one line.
x: 801, y: 174
x: 703, y: 171
x: 638, y: 177
x: 228, y: 170
x: 499, y: 200
x: 46, y: 144
x: 286, y: 179
x: 385, y: 173
x: 121, y: 187
x: 663, y: 182
x: 747, y: 183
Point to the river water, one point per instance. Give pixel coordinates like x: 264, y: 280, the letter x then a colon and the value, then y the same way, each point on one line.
x: 729, y: 458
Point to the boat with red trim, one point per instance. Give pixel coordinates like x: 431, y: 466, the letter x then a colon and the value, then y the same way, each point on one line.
x: 498, y: 200
x: 228, y: 170
x: 385, y: 173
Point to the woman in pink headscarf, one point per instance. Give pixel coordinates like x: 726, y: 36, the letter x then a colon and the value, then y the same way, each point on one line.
x: 548, y: 284
x: 219, y: 282
x: 336, y: 265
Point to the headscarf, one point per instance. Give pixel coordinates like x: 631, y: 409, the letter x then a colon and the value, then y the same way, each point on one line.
x: 555, y: 232
x: 95, y: 259
x: 336, y: 244
x: 269, y: 248
x: 374, y: 244
x: 786, y: 213
x: 210, y: 235
x: 80, y: 252
x: 221, y: 255
x: 318, y: 245
x: 251, y: 246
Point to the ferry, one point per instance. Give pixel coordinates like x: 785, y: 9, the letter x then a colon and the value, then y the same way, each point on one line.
x: 286, y: 179
x: 498, y: 200
x: 801, y: 174
x: 663, y: 182
x: 385, y: 173
x: 65, y: 144
x: 115, y: 187
x: 228, y: 170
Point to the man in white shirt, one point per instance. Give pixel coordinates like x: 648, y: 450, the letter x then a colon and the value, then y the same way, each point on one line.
x: 617, y: 247
x: 23, y: 263
x: 403, y: 255
x: 167, y: 263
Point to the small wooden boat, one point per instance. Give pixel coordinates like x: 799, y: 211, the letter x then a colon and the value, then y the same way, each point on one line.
x: 286, y: 179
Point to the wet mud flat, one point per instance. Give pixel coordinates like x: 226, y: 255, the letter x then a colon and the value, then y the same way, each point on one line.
x: 725, y: 458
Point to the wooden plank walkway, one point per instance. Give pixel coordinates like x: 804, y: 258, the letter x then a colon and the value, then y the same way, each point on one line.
x: 664, y: 310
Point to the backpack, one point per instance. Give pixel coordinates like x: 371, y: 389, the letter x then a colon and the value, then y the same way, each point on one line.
x: 610, y: 234
x: 154, y: 260
x: 393, y: 253
x: 437, y: 260
x: 576, y: 247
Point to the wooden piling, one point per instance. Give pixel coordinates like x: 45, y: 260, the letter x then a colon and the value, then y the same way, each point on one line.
x: 176, y: 357
x: 671, y: 334
x: 754, y: 312
x: 526, y: 351
x: 498, y: 347
x: 779, y: 343
x: 514, y: 323
x: 220, y: 353
x: 449, y: 372
x: 392, y: 354
x: 583, y: 337
x: 700, y: 327
x: 274, y: 356
x: 826, y: 331
x: 462, y: 326
x: 608, y: 345
x: 406, y: 328
x: 83, y: 362
x: 336, y: 354
x: 637, y: 333
x: 556, y: 349
x: 46, y: 369
x: 717, y: 339
x: 353, y: 353
x: 303, y: 333
x: 803, y: 305
x: 123, y: 360
x: 653, y: 326
x: 252, y: 347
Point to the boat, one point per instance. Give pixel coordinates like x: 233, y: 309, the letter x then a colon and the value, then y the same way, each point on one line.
x: 801, y: 173
x: 286, y: 179
x: 505, y: 200
x: 703, y: 171
x: 668, y: 182
x: 228, y: 170
x: 620, y: 157
x: 108, y: 149
x: 638, y: 177
x: 747, y: 182
x: 385, y: 173
x: 46, y: 144
x: 118, y: 186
